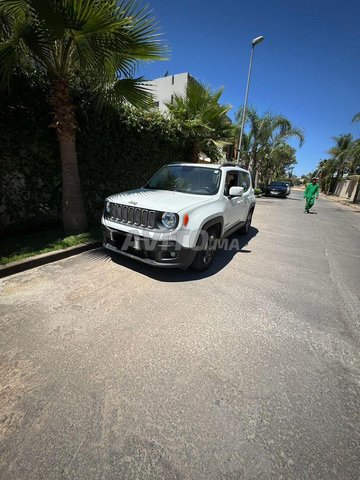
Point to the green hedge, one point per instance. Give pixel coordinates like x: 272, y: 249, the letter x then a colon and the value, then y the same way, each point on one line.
x: 120, y: 151
x: 116, y: 151
x: 30, y: 177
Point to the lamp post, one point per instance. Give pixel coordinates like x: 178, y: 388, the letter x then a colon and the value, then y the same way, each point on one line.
x: 254, y: 42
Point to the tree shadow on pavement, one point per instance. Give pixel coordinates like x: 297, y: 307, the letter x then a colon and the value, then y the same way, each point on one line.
x: 271, y: 200
x: 222, y: 259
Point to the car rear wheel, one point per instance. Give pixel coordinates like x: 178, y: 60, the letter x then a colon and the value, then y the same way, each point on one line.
x: 208, y: 246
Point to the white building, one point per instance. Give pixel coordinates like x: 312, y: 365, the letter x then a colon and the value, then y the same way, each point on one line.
x: 165, y: 88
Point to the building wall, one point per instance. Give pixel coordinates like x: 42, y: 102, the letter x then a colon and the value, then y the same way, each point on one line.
x: 357, y: 198
x: 348, y: 189
x: 165, y: 88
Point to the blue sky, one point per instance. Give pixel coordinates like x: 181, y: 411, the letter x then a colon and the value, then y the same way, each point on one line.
x: 307, y: 68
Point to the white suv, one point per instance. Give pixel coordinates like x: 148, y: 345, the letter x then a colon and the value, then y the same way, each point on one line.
x: 178, y: 218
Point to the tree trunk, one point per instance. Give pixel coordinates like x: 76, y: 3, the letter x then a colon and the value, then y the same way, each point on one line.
x: 256, y: 181
x: 63, y: 113
x: 195, y: 153
x: 254, y: 171
x: 73, y: 210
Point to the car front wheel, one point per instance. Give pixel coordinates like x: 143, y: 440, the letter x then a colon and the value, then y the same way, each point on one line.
x: 208, y: 246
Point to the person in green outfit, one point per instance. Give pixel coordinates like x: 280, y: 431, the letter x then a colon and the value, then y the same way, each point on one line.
x: 311, y: 191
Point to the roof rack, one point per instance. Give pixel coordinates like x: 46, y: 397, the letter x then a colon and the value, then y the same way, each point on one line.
x: 232, y: 164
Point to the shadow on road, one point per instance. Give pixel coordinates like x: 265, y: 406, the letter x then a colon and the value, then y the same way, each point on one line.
x: 271, y: 199
x: 222, y: 259
x: 296, y: 199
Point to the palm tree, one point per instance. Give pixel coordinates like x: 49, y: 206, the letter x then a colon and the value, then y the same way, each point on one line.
x: 96, y: 44
x: 326, y: 170
x: 202, y: 118
x: 341, y: 152
x: 278, y: 162
x: 345, y: 158
x: 266, y: 133
x: 354, y: 163
x: 355, y: 149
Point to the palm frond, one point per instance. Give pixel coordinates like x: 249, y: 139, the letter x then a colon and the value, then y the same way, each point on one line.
x: 356, y: 118
x: 8, y: 60
x: 14, y: 8
x: 134, y: 91
x: 89, y: 39
x: 202, y: 117
x: 50, y: 15
x: 294, y: 132
x: 36, y: 42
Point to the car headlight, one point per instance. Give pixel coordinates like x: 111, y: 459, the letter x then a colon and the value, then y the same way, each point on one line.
x: 107, y: 208
x: 169, y: 220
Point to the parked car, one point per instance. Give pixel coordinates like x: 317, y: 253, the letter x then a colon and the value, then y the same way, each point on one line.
x: 178, y: 217
x: 277, y: 189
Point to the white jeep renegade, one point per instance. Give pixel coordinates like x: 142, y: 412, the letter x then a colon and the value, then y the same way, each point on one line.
x: 178, y: 218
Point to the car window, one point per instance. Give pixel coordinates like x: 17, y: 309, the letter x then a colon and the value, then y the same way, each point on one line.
x: 231, y: 180
x: 244, y: 181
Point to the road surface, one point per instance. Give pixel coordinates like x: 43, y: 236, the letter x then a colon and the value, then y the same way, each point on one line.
x: 113, y: 370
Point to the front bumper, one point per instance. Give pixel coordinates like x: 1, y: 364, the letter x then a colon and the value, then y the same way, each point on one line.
x: 276, y: 193
x: 159, y: 253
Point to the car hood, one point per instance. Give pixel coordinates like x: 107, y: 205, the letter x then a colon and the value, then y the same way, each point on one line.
x: 160, y: 200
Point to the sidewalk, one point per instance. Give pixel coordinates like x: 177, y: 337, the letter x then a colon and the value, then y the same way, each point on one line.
x: 44, y: 258
x: 354, y: 206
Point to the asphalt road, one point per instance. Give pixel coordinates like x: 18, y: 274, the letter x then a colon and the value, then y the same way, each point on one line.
x: 112, y: 370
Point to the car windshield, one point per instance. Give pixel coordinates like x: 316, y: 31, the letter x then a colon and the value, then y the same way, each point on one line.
x: 278, y: 184
x: 186, y: 179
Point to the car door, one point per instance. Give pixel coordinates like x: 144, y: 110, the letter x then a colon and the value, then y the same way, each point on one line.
x: 233, y: 205
x: 248, y: 195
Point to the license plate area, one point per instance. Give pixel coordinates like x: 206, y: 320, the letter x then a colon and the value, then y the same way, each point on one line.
x: 118, y: 239
x: 136, y: 243
x: 126, y: 242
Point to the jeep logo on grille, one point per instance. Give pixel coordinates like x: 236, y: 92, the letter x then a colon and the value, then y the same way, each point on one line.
x: 133, y: 203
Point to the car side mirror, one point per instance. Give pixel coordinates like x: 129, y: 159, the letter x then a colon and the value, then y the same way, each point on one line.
x: 236, y: 192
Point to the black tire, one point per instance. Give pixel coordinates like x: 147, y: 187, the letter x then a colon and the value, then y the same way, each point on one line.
x: 245, y: 229
x: 205, y: 257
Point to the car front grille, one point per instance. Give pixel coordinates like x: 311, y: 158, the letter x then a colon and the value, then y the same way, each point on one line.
x: 138, y: 217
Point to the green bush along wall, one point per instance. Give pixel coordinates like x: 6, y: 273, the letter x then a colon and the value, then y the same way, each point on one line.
x: 117, y: 150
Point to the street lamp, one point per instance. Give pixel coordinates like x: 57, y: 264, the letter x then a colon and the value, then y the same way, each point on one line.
x: 254, y: 42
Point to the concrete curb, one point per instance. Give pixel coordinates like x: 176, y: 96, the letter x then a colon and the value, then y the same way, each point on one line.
x: 345, y: 203
x: 43, y: 259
